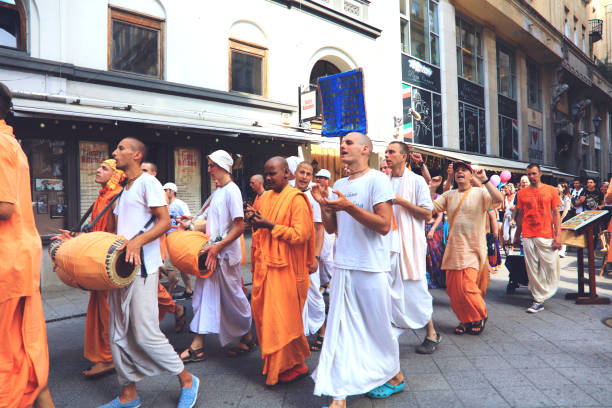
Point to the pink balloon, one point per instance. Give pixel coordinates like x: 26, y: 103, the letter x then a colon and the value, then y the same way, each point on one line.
x: 505, y: 176
x: 495, y: 180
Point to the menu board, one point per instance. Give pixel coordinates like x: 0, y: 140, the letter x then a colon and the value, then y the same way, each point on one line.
x: 582, y: 219
x: 188, y: 180
x: 91, y: 154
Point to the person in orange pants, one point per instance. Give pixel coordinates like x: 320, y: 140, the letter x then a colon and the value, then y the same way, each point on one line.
x: 24, y: 353
x: 465, y: 258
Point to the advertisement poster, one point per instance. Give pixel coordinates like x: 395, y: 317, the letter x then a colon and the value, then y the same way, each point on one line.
x: 91, y: 155
x: 187, y: 173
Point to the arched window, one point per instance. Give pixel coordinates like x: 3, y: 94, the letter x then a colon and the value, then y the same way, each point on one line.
x: 12, y: 24
x: 320, y: 69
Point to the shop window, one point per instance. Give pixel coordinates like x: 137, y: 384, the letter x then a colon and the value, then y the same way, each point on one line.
x: 508, y: 138
x: 188, y: 177
x: 469, y: 51
x: 136, y: 43
x: 248, y: 68
x: 419, y: 28
x: 12, y: 24
x: 47, y: 160
x: 472, y: 136
x: 536, y: 145
x: 428, y: 105
x: 506, y: 74
x: 534, y: 86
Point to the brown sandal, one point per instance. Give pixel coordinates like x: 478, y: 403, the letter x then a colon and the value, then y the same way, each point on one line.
x: 194, y: 355
x: 238, y: 351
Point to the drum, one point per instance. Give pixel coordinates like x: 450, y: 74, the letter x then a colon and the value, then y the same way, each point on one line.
x: 184, y: 249
x: 92, y: 261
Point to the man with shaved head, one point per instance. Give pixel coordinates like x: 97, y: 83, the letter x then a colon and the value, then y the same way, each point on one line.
x: 138, y: 346
x: 285, y: 253
x: 257, y: 185
x: 360, y: 353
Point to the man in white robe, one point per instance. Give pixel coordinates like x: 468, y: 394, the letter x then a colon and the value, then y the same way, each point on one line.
x: 360, y: 351
x: 326, y: 263
x: 412, y: 302
x: 313, y: 314
x: 219, y: 303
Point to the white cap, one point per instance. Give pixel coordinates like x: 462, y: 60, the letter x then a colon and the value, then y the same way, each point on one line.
x: 323, y: 173
x: 222, y: 159
x: 293, y: 162
x: 170, y: 186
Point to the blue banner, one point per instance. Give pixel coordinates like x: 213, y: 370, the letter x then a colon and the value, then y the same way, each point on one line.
x: 343, y: 104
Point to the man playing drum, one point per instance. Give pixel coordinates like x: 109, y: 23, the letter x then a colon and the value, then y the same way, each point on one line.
x: 139, y: 347
x: 219, y: 303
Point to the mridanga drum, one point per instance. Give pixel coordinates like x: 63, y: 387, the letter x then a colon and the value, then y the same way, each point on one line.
x: 92, y: 261
x: 184, y: 249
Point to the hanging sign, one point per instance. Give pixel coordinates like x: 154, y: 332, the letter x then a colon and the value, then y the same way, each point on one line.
x: 343, y: 103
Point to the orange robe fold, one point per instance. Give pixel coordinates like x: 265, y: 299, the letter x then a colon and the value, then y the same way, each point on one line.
x: 97, y: 343
x: 281, y: 279
x: 466, y: 298
x: 164, y: 301
x: 24, y: 355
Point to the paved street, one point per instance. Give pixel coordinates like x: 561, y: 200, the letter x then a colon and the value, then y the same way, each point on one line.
x: 561, y: 357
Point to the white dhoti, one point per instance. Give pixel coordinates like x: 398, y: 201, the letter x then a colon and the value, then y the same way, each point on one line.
x: 138, y: 346
x: 313, y: 314
x: 359, y: 352
x: 411, y: 302
x: 508, y: 231
x: 325, y: 271
x: 543, y: 268
x: 220, y: 305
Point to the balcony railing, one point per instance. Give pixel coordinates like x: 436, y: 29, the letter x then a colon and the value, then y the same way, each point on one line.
x: 595, y: 29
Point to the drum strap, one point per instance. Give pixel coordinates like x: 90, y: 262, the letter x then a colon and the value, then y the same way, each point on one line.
x: 143, y: 268
x: 89, y: 227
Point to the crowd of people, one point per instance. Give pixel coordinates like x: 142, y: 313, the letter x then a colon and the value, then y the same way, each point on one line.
x: 376, y: 240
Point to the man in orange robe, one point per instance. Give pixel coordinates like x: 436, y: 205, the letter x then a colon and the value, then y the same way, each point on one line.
x: 285, y: 250
x: 24, y: 354
x: 97, y: 344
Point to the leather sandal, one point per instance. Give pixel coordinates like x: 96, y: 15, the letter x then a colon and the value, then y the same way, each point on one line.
x: 194, y: 355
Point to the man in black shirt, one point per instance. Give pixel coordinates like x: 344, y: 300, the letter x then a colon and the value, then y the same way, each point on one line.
x: 591, y: 198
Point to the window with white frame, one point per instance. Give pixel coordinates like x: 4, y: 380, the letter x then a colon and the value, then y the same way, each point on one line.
x: 419, y: 29
x: 469, y: 51
x: 506, y: 73
x: 534, y: 86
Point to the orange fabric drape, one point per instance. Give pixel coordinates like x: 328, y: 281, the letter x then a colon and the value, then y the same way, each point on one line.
x: 24, y: 356
x: 466, y: 298
x: 97, y: 342
x: 281, y: 260
x: 164, y: 301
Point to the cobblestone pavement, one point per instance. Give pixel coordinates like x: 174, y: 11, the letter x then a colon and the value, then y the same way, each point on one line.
x: 560, y: 357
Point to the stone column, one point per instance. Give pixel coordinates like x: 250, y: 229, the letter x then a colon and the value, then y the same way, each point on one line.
x: 521, y: 99
x: 490, y: 90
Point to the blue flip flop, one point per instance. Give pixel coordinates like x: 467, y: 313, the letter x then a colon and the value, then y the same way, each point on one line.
x: 386, y: 390
x: 135, y: 403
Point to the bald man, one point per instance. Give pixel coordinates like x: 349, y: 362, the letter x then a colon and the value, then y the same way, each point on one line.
x: 138, y: 346
x: 360, y: 352
x: 257, y: 185
x: 285, y: 251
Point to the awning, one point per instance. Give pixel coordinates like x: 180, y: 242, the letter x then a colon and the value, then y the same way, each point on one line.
x: 485, y: 162
x: 558, y: 173
x: 36, y: 108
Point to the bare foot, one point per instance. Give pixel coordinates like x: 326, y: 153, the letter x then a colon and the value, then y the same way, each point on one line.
x: 98, y: 368
x: 338, y: 404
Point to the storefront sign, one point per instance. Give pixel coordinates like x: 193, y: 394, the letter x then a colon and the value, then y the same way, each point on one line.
x: 308, y: 105
x: 187, y: 177
x: 420, y: 74
x: 507, y: 107
x: 471, y: 93
x: 91, y: 155
x: 536, y: 145
x: 343, y: 103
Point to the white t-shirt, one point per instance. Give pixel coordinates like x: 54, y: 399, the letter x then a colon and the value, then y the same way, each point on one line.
x: 176, y: 209
x: 423, y: 200
x: 575, y: 195
x: 316, y: 207
x: 133, y: 211
x: 225, y: 207
x: 357, y: 246
x: 327, y: 250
